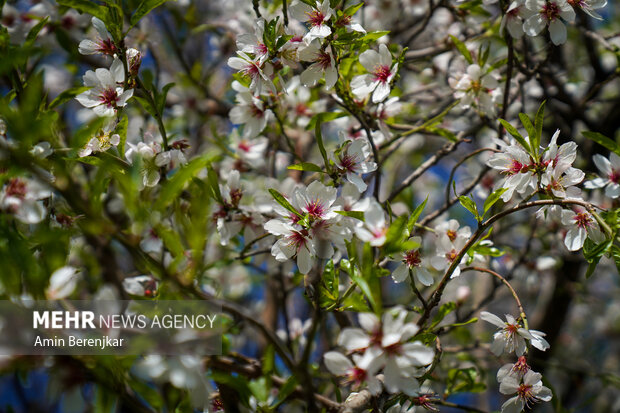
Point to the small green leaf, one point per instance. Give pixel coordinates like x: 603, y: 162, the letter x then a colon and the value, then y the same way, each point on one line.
x: 492, y: 199
x: 351, y: 10
x: 161, y: 97
x: 121, y: 129
x: 306, y: 166
x: 214, y: 185
x: 319, y: 140
x: 323, y: 117
x: 470, y: 205
x: 538, y: 123
x: 353, y: 214
x: 444, y: 310
x: 531, y: 132
x: 145, y: 7
x: 85, y: 6
x: 515, y: 134
x: 32, y: 34
x: 463, y: 49
x: 602, y: 140
x: 280, y: 199
x: 172, y: 187
x: 372, y: 36
x: 415, y: 215
x: 67, y: 95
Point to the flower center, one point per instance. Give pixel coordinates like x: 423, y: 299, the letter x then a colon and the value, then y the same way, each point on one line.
x: 106, y: 46
x: 298, y: 239
x: 412, y: 258
x: 324, y: 60
x: 521, y: 366
x: 382, y: 73
x: 16, y: 188
x: 514, y: 12
x: 583, y: 220
x: 301, y: 109
x: 356, y: 375
x: 451, y: 234
x: 451, y: 256
x: 315, y: 18
x: 348, y: 162
x: 109, y: 97
x: 256, y: 112
x: 394, y: 349
x: 515, y: 167
x: 614, y: 176
x: 315, y: 209
x: 261, y: 49
x: 244, y: 146
x: 526, y: 394
x: 550, y: 11
x: 511, y: 328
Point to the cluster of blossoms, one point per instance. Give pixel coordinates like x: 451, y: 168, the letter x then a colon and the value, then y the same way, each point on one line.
x: 532, y: 16
x: 478, y: 88
x: 553, y: 175
x: 108, y: 93
x: 382, y: 345
x: 517, y: 378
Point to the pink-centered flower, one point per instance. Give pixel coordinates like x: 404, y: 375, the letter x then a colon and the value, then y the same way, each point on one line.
x: 512, y: 335
x: 529, y: 391
x: 549, y: 13
x: 610, y: 175
x: 322, y: 65
x: 107, y: 93
x: 352, y: 162
x: 581, y: 225
x: 412, y: 261
x: 317, y: 18
x: 103, y: 44
x: 381, y: 72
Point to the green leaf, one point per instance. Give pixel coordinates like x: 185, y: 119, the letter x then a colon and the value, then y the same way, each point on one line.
x: 353, y: 214
x: 85, y: 6
x: 415, y: 215
x: 492, y: 199
x: 323, y: 117
x: 259, y: 389
x: 121, y: 129
x: 372, y: 36
x: 145, y: 7
x: 146, y: 105
x: 161, y: 97
x: 354, y: 274
x: 32, y: 34
x: 329, y: 286
x: 306, y: 166
x: 515, y: 134
x: 470, y: 205
x: 269, y: 360
x: 172, y: 187
x: 463, y: 49
x: 531, y: 132
x: 538, y: 123
x: 442, y: 132
x: 602, y: 140
x: 214, y: 185
x: 470, y: 321
x: 444, y: 310
x: 319, y: 140
x: 280, y: 199
x: 67, y: 95
x: 285, y: 391
x: 351, y: 10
